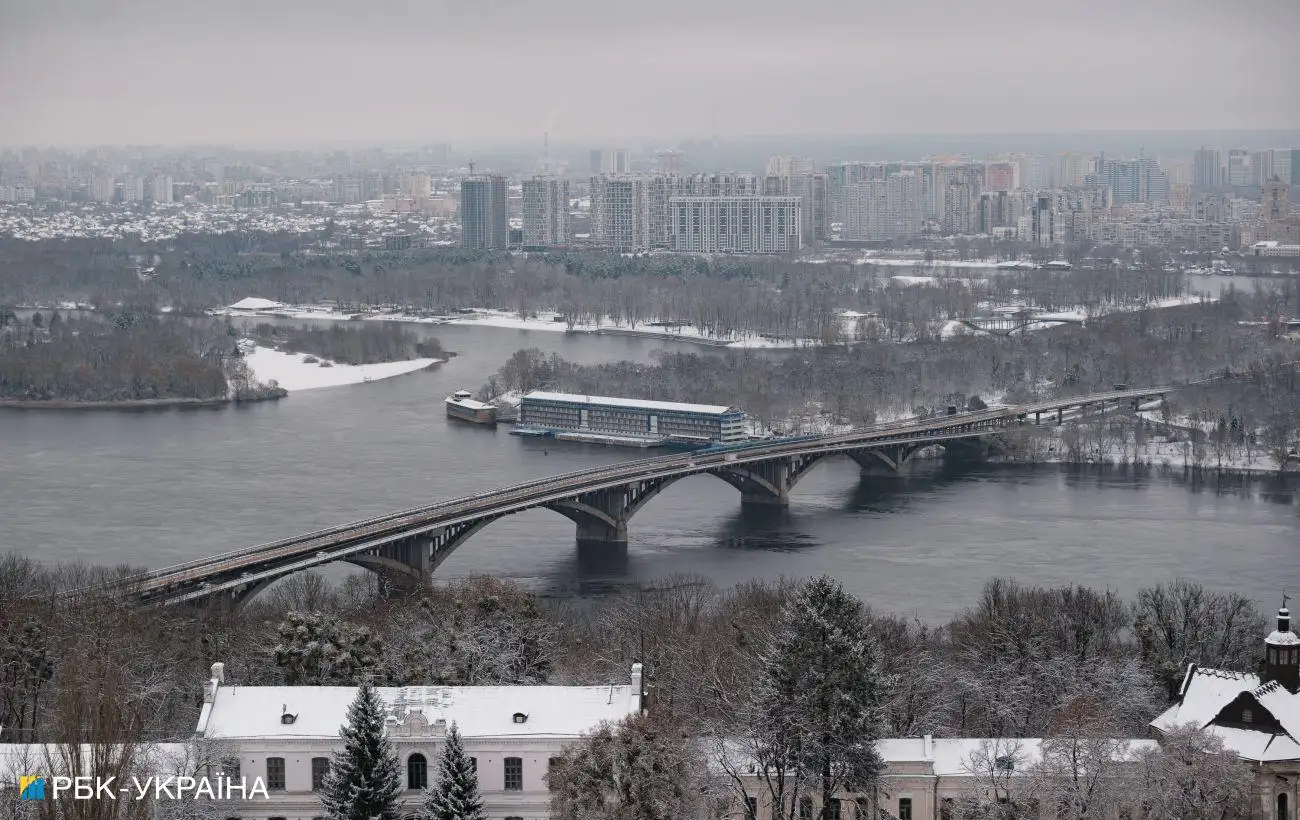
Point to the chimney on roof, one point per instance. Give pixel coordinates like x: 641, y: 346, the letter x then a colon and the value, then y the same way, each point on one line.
x: 217, y: 678
x: 927, y: 747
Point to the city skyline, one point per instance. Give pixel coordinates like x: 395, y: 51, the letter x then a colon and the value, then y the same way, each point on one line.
x: 289, y: 72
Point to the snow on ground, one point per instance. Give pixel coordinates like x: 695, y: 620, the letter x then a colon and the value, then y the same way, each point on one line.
x: 292, y: 373
x: 937, y: 263
x: 253, y: 307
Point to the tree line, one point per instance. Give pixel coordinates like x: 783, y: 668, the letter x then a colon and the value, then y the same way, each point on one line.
x: 860, y: 384
x: 725, y: 297
x: 354, y: 343
x: 129, y: 356
x: 796, y: 678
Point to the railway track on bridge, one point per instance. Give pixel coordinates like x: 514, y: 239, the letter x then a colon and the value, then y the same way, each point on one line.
x: 254, y: 567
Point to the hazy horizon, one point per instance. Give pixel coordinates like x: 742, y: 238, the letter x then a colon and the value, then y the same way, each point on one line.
x: 296, y: 72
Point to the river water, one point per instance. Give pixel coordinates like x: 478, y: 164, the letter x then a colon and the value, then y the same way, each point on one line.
x: 158, y: 487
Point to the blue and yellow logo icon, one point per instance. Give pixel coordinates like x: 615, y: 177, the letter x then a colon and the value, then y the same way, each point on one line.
x: 31, y: 787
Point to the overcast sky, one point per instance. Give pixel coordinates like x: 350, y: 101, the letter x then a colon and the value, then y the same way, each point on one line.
x: 313, y: 71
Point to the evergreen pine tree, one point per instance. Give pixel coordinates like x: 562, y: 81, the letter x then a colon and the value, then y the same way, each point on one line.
x: 364, y: 779
x: 819, y: 698
x: 455, y: 796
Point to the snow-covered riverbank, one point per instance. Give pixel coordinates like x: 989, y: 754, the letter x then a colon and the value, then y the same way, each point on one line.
x: 294, y: 371
x: 853, y: 325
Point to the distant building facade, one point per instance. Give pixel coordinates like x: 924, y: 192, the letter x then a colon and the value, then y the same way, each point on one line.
x: 545, y: 212
x: 631, y: 417
x: 736, y: 224
x: 484, y: 215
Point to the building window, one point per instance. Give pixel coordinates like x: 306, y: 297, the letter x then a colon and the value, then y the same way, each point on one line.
x: 1247, y: 716
x: 514, y: 774
x: 320, y: 768
x: 904, y: 808
x: 835, y: 809
x: 805, y: 808
x: 553, y: 765
x: 751, y: 808
x: 417, y: 771
x: 275, y: 774
x: 946, y: 809
x: 1005, y: 763
x: 473, y: 765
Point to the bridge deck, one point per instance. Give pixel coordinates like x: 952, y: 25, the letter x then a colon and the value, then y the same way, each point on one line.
x: 252, y: 564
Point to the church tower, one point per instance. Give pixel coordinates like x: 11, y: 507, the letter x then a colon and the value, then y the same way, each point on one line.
x: 1282, y: 653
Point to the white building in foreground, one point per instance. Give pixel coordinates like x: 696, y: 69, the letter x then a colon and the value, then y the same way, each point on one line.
x: 287, y: 735
x: 1258, y: 718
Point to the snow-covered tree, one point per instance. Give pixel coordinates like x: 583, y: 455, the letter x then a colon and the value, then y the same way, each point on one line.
x: 364, y: 780
x: 818, y: 704
x: 320, y: 649
x: 1191, y: 777
x: 1181, y: 622
x: 1084, y: 769
x: 455, y: 795
x: 632, y: 770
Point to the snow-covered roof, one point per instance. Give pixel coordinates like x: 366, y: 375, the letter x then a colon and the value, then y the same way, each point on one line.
x: 477, y: 711
x: 956, y: 756
x: 254, y: 303
x: 1206, y: 692
x: 639, y: 404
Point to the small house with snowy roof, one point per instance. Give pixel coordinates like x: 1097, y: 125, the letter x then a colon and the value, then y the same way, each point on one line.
x: 1258, y: 717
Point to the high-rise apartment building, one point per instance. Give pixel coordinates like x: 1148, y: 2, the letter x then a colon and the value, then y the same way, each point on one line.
x: 1071, y: 169
x: 160, y: 189
x: 735, y: 224
x: 1207, y: 168
x: 132, y: 188
x: 1275, y: 201
x: 102, y: 188
x: 1043, y: 231
x: 789, y: 166
x: 1282, y: 165
x: 813, y: 191
x: 484, y: 218
x: 621, y: 211
x: 958, y: 208
x: 611, y: 161
x: 1261, y: 166
x: 1239, y: 167
x: 416, y: 185
x: 1033, y: 171
x: 881, y: 209
x: 672, y: 163
x: 1295, y: 166
x: 1001, y: 176
x: 546, y: 212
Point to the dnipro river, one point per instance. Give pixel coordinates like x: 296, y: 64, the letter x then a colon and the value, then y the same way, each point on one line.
x: 159, y: 487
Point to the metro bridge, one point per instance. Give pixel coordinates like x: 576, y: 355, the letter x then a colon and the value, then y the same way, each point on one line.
x: 406, y: 547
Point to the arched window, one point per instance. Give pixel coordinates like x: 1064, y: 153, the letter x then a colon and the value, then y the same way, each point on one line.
x: 1282, y: 808
x: 417, y: 771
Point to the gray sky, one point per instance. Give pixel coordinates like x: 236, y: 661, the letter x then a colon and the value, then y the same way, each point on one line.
x: 312, y: 71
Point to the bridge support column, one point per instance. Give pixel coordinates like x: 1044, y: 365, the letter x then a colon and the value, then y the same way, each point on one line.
x: 602, y: 515
x: 890, y: 460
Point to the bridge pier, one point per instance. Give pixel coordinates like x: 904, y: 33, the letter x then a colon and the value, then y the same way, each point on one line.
x: 767, y: 484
